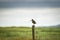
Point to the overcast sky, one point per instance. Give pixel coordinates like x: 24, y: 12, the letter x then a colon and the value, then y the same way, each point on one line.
x: 29, y: 3
x: 21, y: 16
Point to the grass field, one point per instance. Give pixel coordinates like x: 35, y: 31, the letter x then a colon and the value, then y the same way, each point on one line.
x: 25, y: 33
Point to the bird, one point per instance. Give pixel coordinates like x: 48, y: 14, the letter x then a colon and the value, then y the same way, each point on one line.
x: 33, y: 21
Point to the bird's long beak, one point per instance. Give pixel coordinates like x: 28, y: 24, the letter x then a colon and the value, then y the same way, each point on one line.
x: 30, y: 20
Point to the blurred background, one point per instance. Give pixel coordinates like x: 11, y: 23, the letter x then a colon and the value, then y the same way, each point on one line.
x: 16, y: 15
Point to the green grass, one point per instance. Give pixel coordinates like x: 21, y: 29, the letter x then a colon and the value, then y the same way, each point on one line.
x: 25, y: 33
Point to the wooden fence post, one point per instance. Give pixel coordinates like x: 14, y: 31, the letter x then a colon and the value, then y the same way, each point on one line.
x: 33, y: 32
